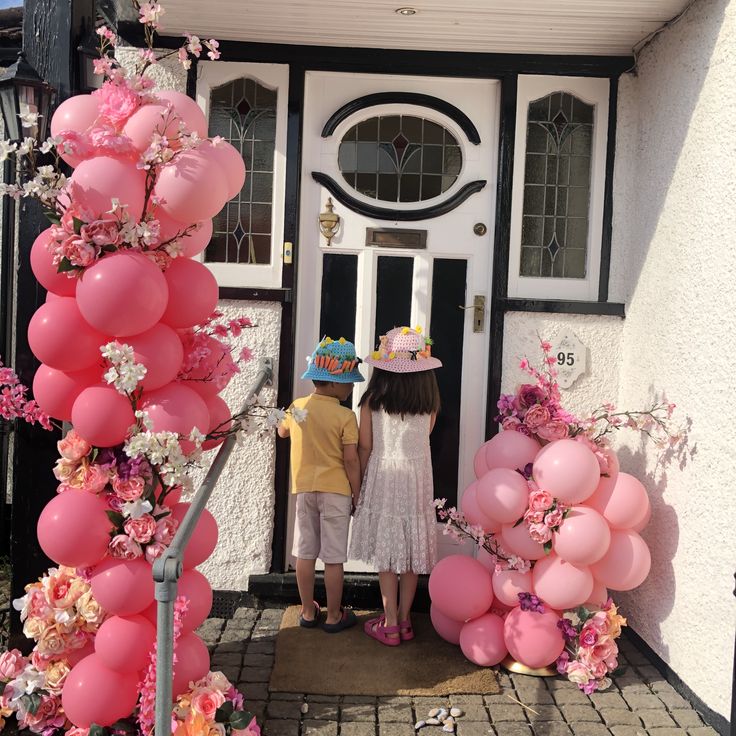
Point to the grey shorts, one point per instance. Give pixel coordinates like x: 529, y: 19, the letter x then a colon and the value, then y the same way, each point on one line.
x: 322, y: 525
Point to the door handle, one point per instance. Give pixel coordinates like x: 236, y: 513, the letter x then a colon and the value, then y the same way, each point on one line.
x: 479, y: 312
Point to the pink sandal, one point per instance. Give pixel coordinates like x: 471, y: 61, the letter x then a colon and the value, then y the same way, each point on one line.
x: 406, y: 632
x: 376, y: 628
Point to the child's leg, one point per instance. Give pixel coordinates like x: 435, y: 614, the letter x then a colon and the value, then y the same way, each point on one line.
x: 333, y: 588
x: 389, y: 583
x: 334, y: 525
x: 306, y: 549
x: 407, y: 589
x: 305, y: 583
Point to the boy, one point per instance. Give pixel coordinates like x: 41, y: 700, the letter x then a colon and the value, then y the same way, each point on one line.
x: 325, y: 475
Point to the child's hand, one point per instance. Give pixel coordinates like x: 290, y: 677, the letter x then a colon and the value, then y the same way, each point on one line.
x: 356, y: 498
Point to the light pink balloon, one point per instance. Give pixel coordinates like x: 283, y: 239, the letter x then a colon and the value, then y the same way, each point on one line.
x: 447, y: 628
x: 124, y: 643
x: 56, y: 391
x: 220, y: 419
x: 568, y: 470
x: 627, y: 562
x: 193, y: 662
x: 510, y: 449
x: 486, y: 560
x: 193, y: 293
x: 503, y: 495
x: 45, y: 271
x: 192, y: 244
x: 150, y: 119
x: 480, y: 467
x: 160, y: 351
x: 192, y: 188
x: 507, y: 584
x: 123, y: 294
x: 560, y: 584
x: 60, y: 337
x: 460, y: 587
x: 640, y: 526
x: 623, y: 504
x: 230, y: 162
x: 99, y: 180
x: 187, y: 109
x: 94, y: 693
x: 176, y: 408
x: 473, y: 513
x: 613, y: 464
x: 123, y: 587
x: 195, y: 587
x: 499, y: 608
x: 583, y: 537
x: 73, y: 529
x: 516, y: 539
x: 533, y: 638
x: 599, y: 595
x: 204, y: 539
x: 77, y: 113
x: 482, y: 640
x: 102, y: 416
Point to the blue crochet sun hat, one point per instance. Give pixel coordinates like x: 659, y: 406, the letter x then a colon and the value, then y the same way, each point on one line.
x: 334, y: 360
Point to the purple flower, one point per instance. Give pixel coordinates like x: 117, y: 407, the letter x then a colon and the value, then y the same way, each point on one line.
x: 530, y: 602
x: 133, y: 466
x: 567, y: 629
x: 562, y: 661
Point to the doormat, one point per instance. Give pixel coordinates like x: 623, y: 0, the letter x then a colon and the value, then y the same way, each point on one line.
x: 351, y: 663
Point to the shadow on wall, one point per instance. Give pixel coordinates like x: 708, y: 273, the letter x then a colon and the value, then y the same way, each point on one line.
x: 665, y: 95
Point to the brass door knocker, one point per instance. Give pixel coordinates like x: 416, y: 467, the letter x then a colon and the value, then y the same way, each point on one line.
x: 329, y: 222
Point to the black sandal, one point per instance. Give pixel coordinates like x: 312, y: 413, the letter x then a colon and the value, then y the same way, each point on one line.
x: 348, y: 619
x: 306, y: 623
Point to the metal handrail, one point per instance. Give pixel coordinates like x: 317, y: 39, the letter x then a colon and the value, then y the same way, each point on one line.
x: 167, y: 569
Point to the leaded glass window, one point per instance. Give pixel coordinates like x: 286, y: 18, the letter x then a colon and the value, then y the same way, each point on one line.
x: 399, y: 158
x: 557, y: 186
x: 244, y: 113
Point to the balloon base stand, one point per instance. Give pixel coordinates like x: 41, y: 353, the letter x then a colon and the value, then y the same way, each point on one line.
x: 512, y: 665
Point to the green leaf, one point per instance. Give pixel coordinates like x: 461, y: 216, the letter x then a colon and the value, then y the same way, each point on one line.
x: 65, y: 265
x: 52, y: 216
x: 31, y: 702
x: 548, y: 547
x: 78, y: 224
x: 518, y: 522
x: 109, y: 248
x: 125, y: 726
x: 115, y: 517
x: 240, y: 719
x: 583, y: 613
x: 224, y: 712
x: 95, y: 730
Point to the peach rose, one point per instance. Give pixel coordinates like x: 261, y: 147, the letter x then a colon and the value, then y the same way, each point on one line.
x: 90, y: 610
x: 206, y: 701
x: 33, y: 628
x: 73, y: 447
x: 536, y: 417
x: 553, y: 430
x: 63, y: 590
x: 56, y: 675
x: 124, y: 548
x: 577, y: 673
x: 95, y: 478
x: 218, y: 681
x: 141, y: 529
x: 540, y: 500
x: 130, y: 489
x: 540, y: 533
x: 52, y: 641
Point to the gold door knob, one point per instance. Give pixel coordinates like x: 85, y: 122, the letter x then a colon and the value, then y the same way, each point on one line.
x: 329, y: 222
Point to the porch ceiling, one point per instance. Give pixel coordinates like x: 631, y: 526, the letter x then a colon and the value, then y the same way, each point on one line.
x: 605, y: 27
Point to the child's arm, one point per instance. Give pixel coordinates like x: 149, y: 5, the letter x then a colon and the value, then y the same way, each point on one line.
x: 352, y: 469
x: 283, y: 429
x: 365, y: 437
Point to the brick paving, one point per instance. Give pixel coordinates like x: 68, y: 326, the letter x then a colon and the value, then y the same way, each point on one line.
x: 640, y: 702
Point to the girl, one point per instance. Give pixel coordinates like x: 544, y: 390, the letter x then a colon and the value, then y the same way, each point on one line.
x: 394, y: 524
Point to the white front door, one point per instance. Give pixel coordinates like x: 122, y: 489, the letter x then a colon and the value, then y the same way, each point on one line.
x: 410, y: 166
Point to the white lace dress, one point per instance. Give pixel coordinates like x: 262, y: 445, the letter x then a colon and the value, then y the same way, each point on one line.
x: 394, y: 527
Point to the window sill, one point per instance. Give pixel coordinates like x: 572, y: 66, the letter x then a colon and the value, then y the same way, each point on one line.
x: 284, y: 296
x: 559, y: 306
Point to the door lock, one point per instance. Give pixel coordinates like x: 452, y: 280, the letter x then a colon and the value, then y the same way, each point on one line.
x: 479, y: 312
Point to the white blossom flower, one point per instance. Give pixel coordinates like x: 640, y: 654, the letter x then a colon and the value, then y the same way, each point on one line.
x: 275, y: 417
x: 6, y: 148
x: 26, y: 146
x: 124, y: 373
x: 28, y: 119
x: 145, y: 420
x: 136, y: 509
x: 299, y: 415
x: 26, y: 683
x: 572, y: 617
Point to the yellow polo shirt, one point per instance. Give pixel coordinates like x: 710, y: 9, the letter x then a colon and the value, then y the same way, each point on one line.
x: 317, y: 445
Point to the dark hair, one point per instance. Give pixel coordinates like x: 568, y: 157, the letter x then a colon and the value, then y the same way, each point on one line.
x: 402, y: 393
x: 320, y: 384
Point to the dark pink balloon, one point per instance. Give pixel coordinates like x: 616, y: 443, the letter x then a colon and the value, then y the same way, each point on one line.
x: 44, y: 269
x: 220, y: 419
x: 193, y: 243
x: 56, y: 391
x: 124, y: 643
x: 102, y: 416
x: 193, y: 662
x: 160, y: 351
x: 193, y: 293
x: 123, y: 587
x: 195, y: 587
x: 204, y: 539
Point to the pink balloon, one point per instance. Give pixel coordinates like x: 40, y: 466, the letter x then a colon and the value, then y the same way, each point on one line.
x: 507, y: 584
x: 447, y: 628
x: 500, y: 609
x: 195, y: 587
x: 193, y: 293
x: 151, y: 613
x: 192, y: 188
x: 124, y: 643
x: 45, y: 271
x: 76, y: 113
x: 503, y: 495
x: 173, y: 497
x: 213, y: 366
x: 123, y: 294
x: 192, y: 244
x: 599, y: 595
x: 150, y: 119
x: 204, y: 539
x: 94, y: 693
x: 102, y: 416
x: 123, y: 587
x: 560, y: 584
x: 533, y: 638
x: 229, y: 161
x: 516, y: 539
x: 59, y: 336
x: 460, y: 587
x: 99, y: 180
x: 613, y: 464
x: 640, y: 526
x: 486, y: 560
x: 627, y: 562
x: 160, y: 351
x: 220, y: 419
x: 568, y: 470
x: 482, y: 640
x: 480, y: 467
x: 176, y: 408
x: 56, y: 391
x: 73, y: 529
x: 77, y: 655
x: 473, y: 513
x: 193, y: 662
x: 623, y: 503
x: 187, y: 109
x: 510, y: 449
x: 583, y: 537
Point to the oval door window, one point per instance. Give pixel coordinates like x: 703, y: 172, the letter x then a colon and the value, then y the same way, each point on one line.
x: 399, y: 158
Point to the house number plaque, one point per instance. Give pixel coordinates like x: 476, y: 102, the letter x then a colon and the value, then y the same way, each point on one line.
x: 571, y: 358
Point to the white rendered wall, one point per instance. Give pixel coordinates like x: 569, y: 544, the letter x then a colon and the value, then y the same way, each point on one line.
x: 674, y: 233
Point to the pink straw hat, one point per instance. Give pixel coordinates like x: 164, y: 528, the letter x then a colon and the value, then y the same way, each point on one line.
x: 404, y: 350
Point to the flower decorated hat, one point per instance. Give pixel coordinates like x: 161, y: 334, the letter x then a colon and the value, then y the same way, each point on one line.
x: 404, y: 350
x: 334, y: 360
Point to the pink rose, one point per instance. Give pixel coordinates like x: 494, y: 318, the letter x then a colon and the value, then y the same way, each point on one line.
x: 123, y: 547
x: 577, y: 673
x: 154, y: 551
x: 165, y: 529
x: 12, y: 663
x: 130, y: 489
x: 536, y: 417
x: 141, y: 529
x: 77, y: 252
x: 101, y: 232
x: 540, y: 533
x: 553, y: 430
x: 63, y: 591
x: 534, y: 517
x: 589, y: 635
x: 48, y: 717
x: 206, y: 701
x: 73, y: 447
x: 117, y: 102
x: 540, y: 500
x: 510, y: 424
x: 74, y: 731
x: 554, y: 518
x: 528, y: 395
x: 95, y: 478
